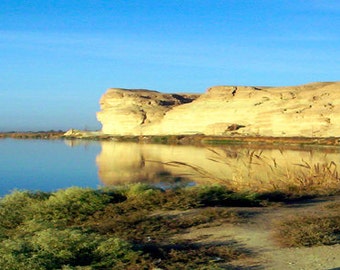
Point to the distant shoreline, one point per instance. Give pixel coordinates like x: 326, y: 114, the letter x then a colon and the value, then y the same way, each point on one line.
x: 32, y: 134
x: 198, y: 139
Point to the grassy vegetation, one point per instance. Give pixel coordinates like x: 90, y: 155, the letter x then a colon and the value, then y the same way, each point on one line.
x: 135, y: 227
x: 52, y: 134
x: 251, y: 170
x: 310, y: 230
x: 193, y: 139
x: 123, y: 228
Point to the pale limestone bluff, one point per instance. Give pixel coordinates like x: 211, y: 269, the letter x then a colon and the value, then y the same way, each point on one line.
x: 134, y: 112
x: 311, y: 110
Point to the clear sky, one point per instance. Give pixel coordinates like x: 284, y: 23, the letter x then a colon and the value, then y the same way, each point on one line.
x: 57, y: 57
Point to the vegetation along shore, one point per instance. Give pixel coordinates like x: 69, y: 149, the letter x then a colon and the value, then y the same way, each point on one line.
x: 197, y: 139
x: 143, y: 227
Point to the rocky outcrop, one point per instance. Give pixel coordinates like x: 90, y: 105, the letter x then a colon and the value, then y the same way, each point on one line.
x: 311, y: 110
x: 134, y: 112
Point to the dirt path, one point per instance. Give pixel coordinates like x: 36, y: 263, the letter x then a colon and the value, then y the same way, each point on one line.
x: 255, y: 236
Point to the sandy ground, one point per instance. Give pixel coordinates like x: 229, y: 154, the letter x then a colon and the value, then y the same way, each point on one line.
x: 255, y: 236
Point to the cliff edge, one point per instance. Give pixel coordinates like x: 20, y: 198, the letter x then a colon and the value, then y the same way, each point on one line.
x: 310, y: 110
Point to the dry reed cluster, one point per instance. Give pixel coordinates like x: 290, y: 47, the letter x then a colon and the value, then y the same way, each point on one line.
x: 251, y: 170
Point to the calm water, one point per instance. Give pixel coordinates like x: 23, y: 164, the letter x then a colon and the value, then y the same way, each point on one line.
x: 51, y: 165
x: 46, y: 165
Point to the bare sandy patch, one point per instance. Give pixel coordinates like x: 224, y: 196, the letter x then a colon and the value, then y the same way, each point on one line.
x: 255, y: 235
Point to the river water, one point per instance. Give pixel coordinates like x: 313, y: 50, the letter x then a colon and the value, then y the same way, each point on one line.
x: 50, y: 165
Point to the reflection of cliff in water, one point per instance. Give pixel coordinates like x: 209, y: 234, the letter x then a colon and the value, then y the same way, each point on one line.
x: 121, y: 163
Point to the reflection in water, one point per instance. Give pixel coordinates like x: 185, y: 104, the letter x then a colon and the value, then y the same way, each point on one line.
x: 121, y: 163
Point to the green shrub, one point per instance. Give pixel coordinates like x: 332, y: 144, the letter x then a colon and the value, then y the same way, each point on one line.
x: 143, y: 196
x: 180, y: 198
x: 17, y: 254
x: 16, y: 207
x: 140, y: 196
x: 217, y: 195
x: 71, y: 205
x: 140, y: 190
x: 55, y: 248
x: 115, y: 253
x: 67, y: 249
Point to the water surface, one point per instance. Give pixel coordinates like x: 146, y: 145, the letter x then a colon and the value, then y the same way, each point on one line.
x: 49, y: 165
x: 46, y: 165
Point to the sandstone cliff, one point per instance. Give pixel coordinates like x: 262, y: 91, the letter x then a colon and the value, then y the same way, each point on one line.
x: 134, y: 112
x: 307, y: 110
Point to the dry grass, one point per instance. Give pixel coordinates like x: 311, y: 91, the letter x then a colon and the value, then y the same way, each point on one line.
x: 132, y: 222
x: 310, y: 230
x: 253, y: 171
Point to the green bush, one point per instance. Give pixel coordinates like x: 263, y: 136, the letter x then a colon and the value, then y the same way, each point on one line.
x: 140, y: 190
x: 67, y: 249
x: 17, y: 254
x: 143, y: 196
x: 217, y: 195
x: 71, y: 205
x: 16, y: 207
x: 179, y: 198
x: 140, y: 196
x: 115, y: 253
x: 58, y: 247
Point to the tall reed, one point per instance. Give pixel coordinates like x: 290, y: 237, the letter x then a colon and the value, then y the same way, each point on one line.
x: 252, y: 170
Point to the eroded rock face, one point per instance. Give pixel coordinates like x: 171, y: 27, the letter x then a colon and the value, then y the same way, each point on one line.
x: 133, y: 112
x: 307, y: 110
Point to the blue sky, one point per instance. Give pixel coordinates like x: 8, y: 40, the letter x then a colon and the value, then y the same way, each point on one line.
x: 58, y: 57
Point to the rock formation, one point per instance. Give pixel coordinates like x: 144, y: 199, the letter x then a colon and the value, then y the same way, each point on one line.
x: 136, y: 112
x: 311, y: 110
